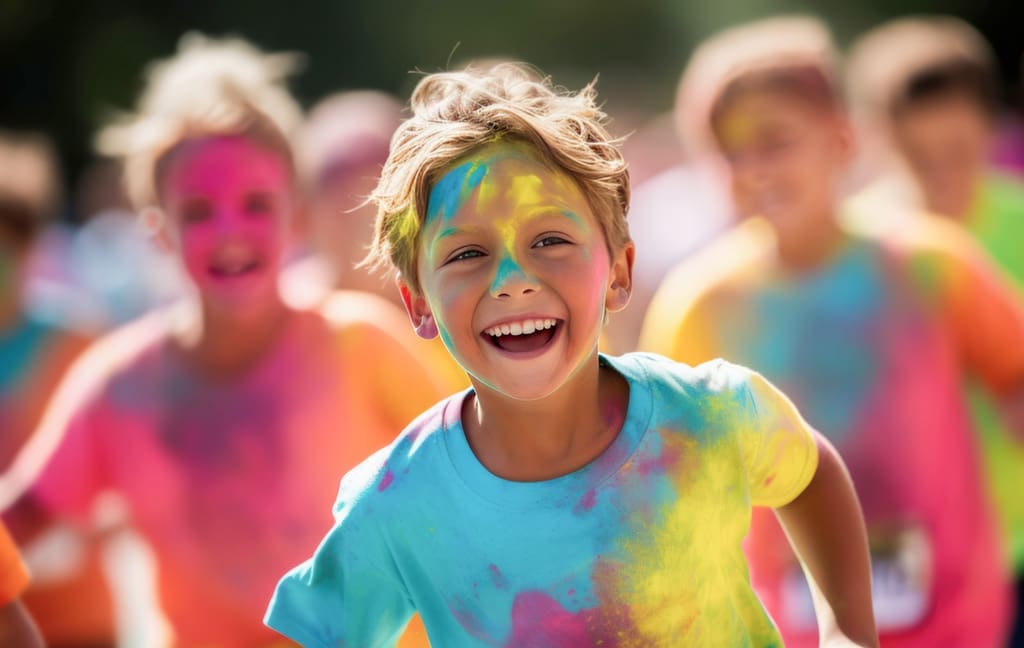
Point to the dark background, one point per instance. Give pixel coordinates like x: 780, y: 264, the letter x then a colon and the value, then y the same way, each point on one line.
x: 66, y: 67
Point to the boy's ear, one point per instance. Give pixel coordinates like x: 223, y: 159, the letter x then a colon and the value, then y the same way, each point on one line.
x: 620, y: 286
x: 154, y: 222
x: 418, y: 310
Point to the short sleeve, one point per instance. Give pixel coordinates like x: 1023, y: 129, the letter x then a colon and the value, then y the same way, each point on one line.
x: 13, y: 573
x: 62, y: 465
x: 348, y: 594
x: 779, y: 448
x: 987, y: 316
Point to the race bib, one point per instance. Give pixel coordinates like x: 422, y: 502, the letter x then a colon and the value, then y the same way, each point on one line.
x: 901, y: 570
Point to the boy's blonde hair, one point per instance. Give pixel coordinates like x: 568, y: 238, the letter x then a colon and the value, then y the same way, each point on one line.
x: 456, y: 112
x: 791, y: 53
x: 210, y: 88
x: 891, y: 64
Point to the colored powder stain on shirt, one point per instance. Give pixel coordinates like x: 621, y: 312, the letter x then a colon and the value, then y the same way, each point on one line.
x: 656, y: 554
x: 586, y: 502
x: 496, y: 577
x: 386, y: 480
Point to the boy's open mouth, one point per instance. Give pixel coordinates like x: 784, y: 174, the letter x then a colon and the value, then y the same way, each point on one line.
x: 522, y: 336
x: 227, y: 270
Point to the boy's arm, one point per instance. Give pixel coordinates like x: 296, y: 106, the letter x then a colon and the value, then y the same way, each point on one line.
x: 793, y: 470
x: 826, y: 528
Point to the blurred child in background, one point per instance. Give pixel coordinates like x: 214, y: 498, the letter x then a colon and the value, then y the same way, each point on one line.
x: 225, y: 422
x: 930, y: 84
x: 873, y: 338
x: 341, y: 147
x: 34, y: 354
x: 568, y: 498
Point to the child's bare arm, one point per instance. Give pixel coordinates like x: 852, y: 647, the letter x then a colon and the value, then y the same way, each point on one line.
x: 826, y: 528
x: 17, y: 628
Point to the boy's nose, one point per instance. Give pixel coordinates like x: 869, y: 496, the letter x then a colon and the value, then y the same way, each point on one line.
x: 511, y: 280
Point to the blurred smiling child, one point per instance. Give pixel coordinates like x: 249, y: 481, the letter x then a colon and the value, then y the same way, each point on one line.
x: 872, y: 338
x: 224, y: 425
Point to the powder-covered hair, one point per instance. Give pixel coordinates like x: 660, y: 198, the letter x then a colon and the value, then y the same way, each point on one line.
x: 454, y: 113
x: 210, y: 88
x: 911, y: 60
x: 791, y: 54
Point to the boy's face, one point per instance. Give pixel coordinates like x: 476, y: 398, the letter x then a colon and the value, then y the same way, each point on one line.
x: 227, y: 202
x: 946, y: 143
x: 514, y: 272
x: 786, y: 157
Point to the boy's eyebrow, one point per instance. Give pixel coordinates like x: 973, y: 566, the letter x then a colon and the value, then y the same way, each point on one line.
x: 454, y: 231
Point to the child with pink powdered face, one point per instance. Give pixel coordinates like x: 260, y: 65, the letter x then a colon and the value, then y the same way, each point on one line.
x: 223, y: 424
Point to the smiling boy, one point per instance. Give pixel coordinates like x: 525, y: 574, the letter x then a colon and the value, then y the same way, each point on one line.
x: 568, y: 498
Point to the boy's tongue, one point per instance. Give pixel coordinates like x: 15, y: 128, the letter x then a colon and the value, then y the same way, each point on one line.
x: 525, y: 342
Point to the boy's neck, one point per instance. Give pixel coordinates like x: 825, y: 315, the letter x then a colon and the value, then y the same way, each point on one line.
x: 554, y: 436
x: 224, y: 344
x: 809, y: 248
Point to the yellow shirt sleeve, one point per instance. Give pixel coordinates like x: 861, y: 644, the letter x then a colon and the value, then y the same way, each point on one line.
x: 779, y: 449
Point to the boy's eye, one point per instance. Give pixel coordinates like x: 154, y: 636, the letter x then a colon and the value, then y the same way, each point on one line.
x: 258, y: 204
x: 550, y: 240
x: 465, y: 254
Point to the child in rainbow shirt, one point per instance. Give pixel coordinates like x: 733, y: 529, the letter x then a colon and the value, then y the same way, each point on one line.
x: 871, y: 336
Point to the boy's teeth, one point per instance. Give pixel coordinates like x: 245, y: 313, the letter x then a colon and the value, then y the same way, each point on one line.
x: 526, y: 327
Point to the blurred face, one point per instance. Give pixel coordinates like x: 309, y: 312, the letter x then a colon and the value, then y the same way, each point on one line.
x: 515, y: 272
x: 786, y: 158
x: 946, y: 143
x: 228, y: 202
x: 342, y: 230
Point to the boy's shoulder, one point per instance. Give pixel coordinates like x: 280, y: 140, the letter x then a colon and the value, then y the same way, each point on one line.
x: 411, y: 462
x: 674, y: 383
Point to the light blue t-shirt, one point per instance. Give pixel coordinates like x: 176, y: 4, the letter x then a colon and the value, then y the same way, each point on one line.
x: 641, y: 547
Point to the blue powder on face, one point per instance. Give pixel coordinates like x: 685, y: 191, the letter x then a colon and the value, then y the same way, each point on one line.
x: 454, y: 188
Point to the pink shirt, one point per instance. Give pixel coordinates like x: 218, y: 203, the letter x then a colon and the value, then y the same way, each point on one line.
x: 232, y: 482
